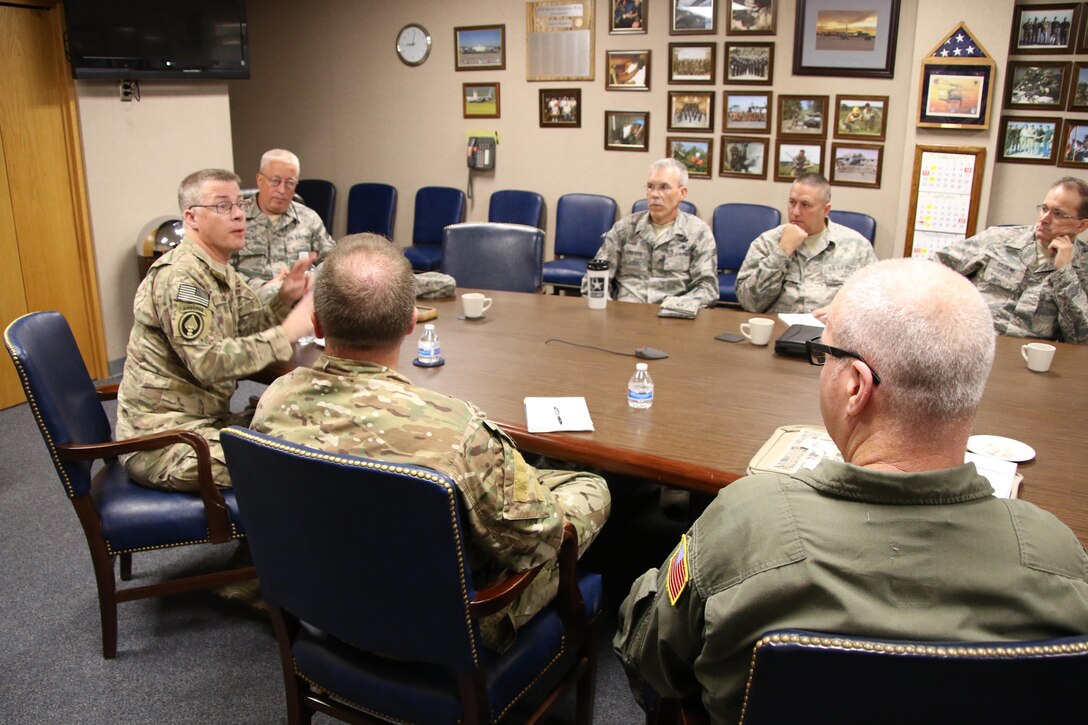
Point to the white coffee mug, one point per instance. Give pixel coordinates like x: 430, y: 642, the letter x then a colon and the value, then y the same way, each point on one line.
x: 475, y: 305
x: 1038, y: 356
x: 758, y: 330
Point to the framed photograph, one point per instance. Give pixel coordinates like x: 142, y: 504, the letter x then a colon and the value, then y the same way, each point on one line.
x: 628, y: 17
x: 1044, y: 28
x: 749, y: 63
x: 856, y: 164
x: 955, y: 94
x: 1078, y: 94
x: 692, y: 63
x: 861, y: 117
x: 691, y: 111
x: 559, y: 40
x: 1037, y: 84
x: 751, y: 17
x: 627, y: 70
x: 693, y: 16
x: 694, y: 153
x: 627, y: 130
x: 560, y: 107
x: 480, y: 47
x: 743, y: 158
x: 1082, y: 36
x: 802, y: 116
x: 791, y: 159
x: 1029, y: 139
x: 481, y: 100
x: 845, y: 38
x: 1073, y: 151
x: 746, y: 111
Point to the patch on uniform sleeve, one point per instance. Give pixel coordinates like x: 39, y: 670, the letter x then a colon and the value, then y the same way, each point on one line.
x: 193, y: 294
x: 678, y: 571
x: 191, y: 321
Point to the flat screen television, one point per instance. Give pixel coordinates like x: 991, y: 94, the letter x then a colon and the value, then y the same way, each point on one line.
x: 157, y: 39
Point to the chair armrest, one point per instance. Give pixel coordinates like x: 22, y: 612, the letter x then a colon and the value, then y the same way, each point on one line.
x: 215, y: 508
x: 107, y: 391
x: 568, y: 599
x: 495, y: 597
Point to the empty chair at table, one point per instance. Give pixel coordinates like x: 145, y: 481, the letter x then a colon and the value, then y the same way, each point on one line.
x: 735, y: 225
x: 319, y: 195
x: 581, y: 221
x: 512, y: 206
x: 372, y: 207
x: 436, y: 208
x: 494, y: 256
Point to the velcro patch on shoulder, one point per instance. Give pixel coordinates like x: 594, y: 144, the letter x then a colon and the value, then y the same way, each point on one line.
x: 191, y: 321
x: 678, y: 571
x: 195, y: 295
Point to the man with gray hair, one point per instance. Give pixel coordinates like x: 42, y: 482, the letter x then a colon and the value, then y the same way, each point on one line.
x: 903, y: 540
x: 800, y: 265
x: 278, y: 229
x: 1034, y: 277
x: 354, y: 401
x: 663, y: 255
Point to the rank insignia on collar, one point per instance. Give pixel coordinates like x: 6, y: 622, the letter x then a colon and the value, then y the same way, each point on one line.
x: 678, y: 571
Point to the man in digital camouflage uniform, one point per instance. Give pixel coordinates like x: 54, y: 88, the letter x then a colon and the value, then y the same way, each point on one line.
x: 354, y: 401
x: 278, y: 228
x: 800, y: 265
x: 199, y: 328
x: 663, y: 255
x: 903, y: 540
x: 1034, y: 277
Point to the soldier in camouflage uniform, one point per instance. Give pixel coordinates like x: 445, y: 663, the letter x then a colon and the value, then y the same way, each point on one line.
x: 277, y: 228
x: 199, y: 328
x: 662, y: 255
x: 353, y: 401
x: 799, y: 266
x: 1035, y: 278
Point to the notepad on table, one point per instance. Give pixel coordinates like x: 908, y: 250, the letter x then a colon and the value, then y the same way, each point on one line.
x: 547, y: 415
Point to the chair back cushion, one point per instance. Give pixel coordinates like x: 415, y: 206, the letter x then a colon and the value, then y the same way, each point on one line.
x: 799, y: 676
x: 436, y: 208
x: 516, y: 207
x: 580, y: 220
x: 863, y: 224
x: 319, y: 195
x: 367, y: 552
x: 59, y: 389
x: 372, y: 208
x: 685, y: 206
x: 736, y: 226
x: 494, y: 256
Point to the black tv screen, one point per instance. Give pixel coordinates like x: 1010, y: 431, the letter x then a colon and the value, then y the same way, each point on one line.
x: 157, y: 39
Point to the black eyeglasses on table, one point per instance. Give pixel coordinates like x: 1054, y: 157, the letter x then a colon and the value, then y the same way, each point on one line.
x: 818, y: 352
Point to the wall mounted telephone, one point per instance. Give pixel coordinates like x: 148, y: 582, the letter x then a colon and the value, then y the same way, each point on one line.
x: 481, y: 152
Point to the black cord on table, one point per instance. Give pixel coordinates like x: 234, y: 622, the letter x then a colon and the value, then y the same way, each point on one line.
x: 591, y: 347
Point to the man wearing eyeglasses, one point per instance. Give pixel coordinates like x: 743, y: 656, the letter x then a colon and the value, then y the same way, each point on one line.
x: 900, y: 540
x: 1034, y: 277
x: 278, y: 228
x: 198, y: 328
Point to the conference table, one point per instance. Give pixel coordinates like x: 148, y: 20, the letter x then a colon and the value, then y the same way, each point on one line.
x: 715, y: 403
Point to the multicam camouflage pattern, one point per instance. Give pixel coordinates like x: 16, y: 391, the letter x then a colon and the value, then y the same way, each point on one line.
x: 273, y: 246
x: 683, y: 263
x: 1027, y: 296
x: 432, y: 285
x: 198, y: 328
x: 769, y: 281
x: 515, y: 513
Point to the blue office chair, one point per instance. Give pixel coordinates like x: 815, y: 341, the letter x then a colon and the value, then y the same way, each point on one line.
x: 735, y: 227
x: 376, y: 614
x: 119, y: 517
x: 372, y: 208
x: 516, y: 207
x: 494, y: 256
x: 319, y: 195
x: 581, y: 220
x: 436, y: 208
x: 863, y: 224
x: 685, y: 206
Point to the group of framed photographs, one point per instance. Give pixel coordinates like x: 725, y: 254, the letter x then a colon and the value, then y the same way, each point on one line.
x: 695, y: 17
x: 1042, y: 85
x: 692, y: 64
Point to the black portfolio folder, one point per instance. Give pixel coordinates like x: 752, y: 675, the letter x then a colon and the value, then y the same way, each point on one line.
x: 792, y: 341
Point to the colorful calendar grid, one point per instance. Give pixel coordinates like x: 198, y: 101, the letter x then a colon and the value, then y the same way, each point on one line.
x: 947, y: 173
x: 942, y: 212
x: 927, y: 244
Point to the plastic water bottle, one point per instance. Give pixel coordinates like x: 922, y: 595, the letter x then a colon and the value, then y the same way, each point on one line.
x: 306, y: 339
x: 429, y: 351
x: 640, y: 388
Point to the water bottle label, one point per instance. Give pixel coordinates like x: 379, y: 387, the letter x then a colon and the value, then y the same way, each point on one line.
x: 636, y: 395
x: 429, y: 351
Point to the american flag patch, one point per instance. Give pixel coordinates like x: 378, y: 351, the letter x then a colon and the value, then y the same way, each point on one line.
x: 191, y: 293
x: 678, y: 571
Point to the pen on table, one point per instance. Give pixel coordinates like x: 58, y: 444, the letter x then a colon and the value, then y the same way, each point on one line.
x: 557, y: 416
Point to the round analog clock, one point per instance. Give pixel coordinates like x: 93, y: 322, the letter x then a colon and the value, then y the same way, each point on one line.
x: 413, y: 44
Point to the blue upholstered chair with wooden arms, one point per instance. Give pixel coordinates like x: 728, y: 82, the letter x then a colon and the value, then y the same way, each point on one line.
x: 581, y: 221
x: 319, y: 195
x: 119, y: 517
x: 376, y: 614
x: 372, y: 208
x: 436, y: 208
x: 735, y: 227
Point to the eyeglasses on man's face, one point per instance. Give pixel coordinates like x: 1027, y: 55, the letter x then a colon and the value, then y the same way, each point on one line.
x: 1058, y: 214
x: 224, y: 207
x: 818, y: 352
x: 288, y: 183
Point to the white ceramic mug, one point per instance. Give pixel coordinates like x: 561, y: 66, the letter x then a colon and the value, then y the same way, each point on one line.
x: 758, y: 330
x: 1038, y: 356
x: 475, y: 305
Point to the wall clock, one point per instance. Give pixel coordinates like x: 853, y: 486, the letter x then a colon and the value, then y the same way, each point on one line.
x: 413, y: 44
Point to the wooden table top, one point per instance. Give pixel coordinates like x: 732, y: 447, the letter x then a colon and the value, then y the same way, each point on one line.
x: 715, y: 403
